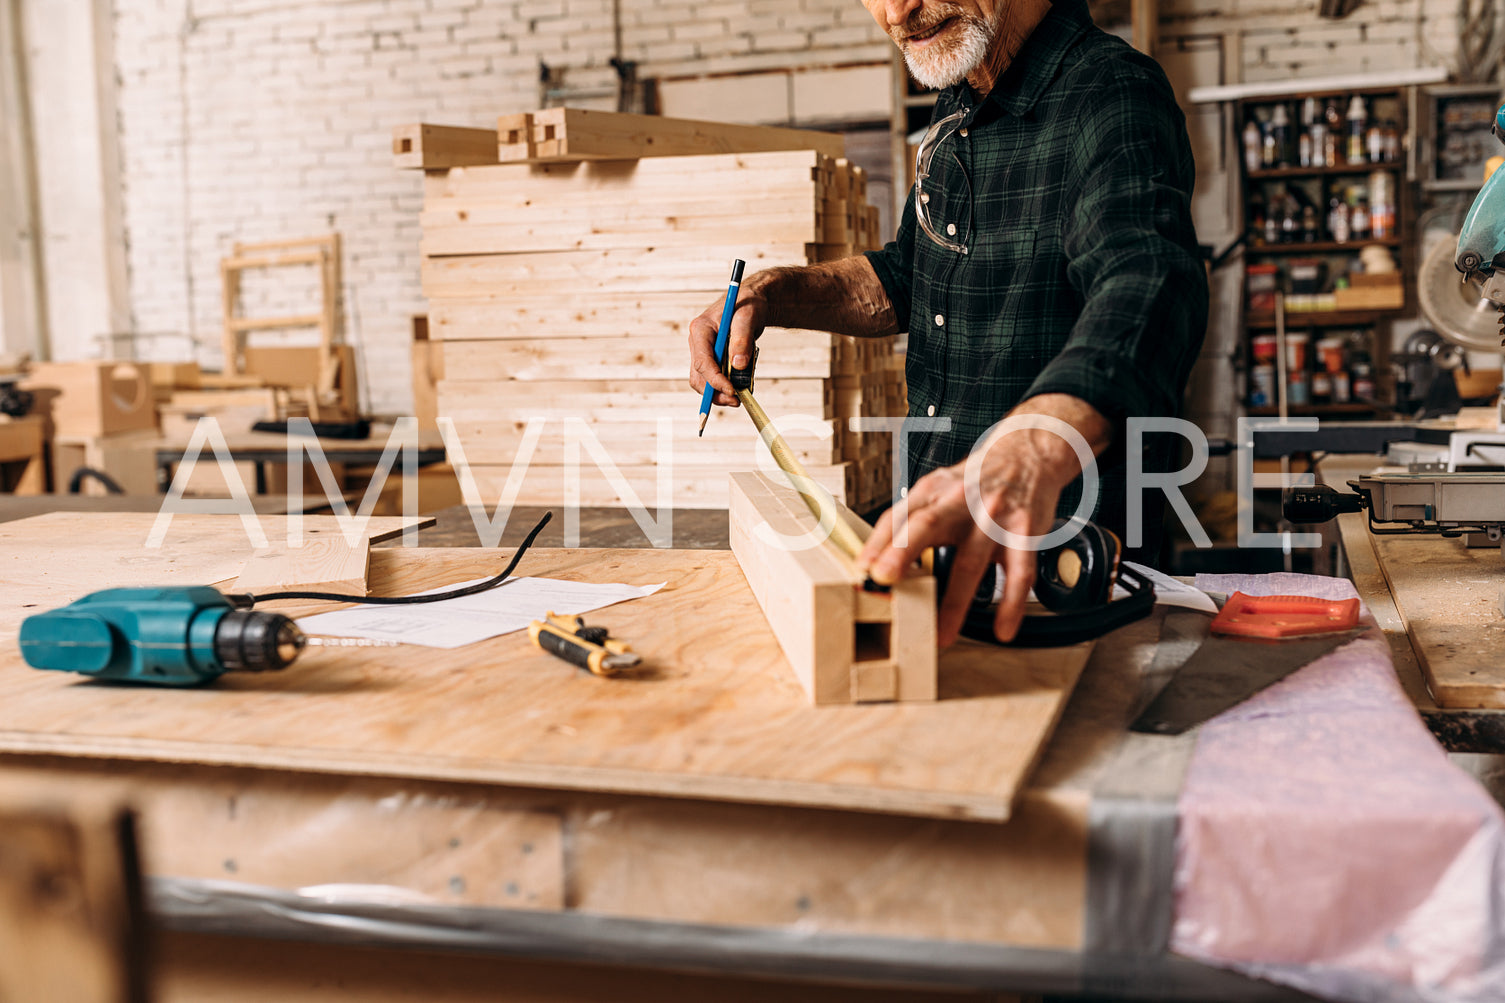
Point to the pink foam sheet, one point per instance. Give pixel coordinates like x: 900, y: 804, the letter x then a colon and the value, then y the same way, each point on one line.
x: 1326, y: 842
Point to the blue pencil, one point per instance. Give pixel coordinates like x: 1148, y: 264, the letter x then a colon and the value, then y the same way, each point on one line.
x: 722, y: 334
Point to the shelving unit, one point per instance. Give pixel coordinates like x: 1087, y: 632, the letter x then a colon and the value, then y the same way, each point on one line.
x: 1310, y: 239
x: 1456, y: 121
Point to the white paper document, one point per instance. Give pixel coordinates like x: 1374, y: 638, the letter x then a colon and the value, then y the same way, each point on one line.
x: 454, y: 623
x: 1169, y: 592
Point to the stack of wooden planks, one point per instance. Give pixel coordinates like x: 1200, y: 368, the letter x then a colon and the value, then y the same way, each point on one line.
x: 560, y: 287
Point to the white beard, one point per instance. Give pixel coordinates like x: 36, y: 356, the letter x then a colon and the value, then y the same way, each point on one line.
x: 939, y: 68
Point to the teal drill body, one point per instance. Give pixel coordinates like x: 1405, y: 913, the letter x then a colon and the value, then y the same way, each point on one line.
x: 165, y: 636
x: 1482, y: 238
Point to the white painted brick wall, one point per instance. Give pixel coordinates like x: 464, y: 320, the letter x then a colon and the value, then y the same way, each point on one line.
x: 260, y: 122
x: 244, y: 122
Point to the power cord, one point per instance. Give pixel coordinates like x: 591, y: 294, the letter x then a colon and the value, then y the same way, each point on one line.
x: 465, y: 590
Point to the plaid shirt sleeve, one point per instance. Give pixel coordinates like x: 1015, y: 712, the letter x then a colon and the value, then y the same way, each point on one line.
x: 1130, y: 252
x: 895, y: 265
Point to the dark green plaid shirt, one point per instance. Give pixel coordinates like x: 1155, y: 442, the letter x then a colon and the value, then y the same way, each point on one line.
x: 1071, y: 189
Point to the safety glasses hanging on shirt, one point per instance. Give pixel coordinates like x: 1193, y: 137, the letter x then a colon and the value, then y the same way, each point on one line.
x: 935, y: 137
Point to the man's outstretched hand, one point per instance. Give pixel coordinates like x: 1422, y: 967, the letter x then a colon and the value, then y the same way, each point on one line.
x: 1018, y: 480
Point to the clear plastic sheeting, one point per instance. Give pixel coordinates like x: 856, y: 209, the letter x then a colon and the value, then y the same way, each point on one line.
x: 1327, y: 843
x: 236, y: 909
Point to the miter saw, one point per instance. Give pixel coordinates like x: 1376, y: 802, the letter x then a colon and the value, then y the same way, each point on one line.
x: 1459, y: 490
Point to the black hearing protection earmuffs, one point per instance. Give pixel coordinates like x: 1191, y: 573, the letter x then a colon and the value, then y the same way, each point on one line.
x: 1074, y: 580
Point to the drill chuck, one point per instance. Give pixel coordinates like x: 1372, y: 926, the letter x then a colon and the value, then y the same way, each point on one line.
x: 249, y: 641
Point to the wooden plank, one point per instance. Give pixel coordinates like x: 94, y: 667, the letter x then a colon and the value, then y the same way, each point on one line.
x: 566, y: 273
x: 699, y: 725
x: 688, y: 861
x: 470, y: 232
x: 622, y: 314
x: 578, y: 134
x: 637, y: 443
x: 610, y: 399
x: 563, y: 203
x: 328, y: 242
x: 325, y: 562
x: 71, y: 925
x: 742, y: 172
x: 1449, y: 597
x: 245, y: 262
x: 1369, y: 580
x: 702, y: 485
x: 422, y: 146
x: 58, y: 557
x: 275, y: 323
x: 807, y: 594
x: 845, y: 645
x: 1020, y: 883
x: 805, y: 354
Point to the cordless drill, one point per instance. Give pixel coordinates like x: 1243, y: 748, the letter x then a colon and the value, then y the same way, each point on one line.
x: 167, y: 636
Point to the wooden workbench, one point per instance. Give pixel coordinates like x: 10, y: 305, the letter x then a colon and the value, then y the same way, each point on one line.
x: 705, y: 796
x: 1439, y: 603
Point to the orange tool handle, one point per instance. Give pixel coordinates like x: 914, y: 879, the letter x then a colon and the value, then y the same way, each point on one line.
x: 1284, y: 616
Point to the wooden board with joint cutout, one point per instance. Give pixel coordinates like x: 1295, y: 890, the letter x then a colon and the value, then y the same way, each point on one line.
x: 430, y: 147
x: 845, y: 645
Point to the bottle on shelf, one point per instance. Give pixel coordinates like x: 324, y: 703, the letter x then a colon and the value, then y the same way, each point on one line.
x: 1280, y: 131
x: 1359, y: 219
x: 1382, y: 204
x: 1374, y: 141
x: 1332, y: 135
x: 1290, y: 218
x: 1269, y: 156
x: 1307, y: 142
x: 1253, y: 147
x: 1322, y: 387
x: 1309, y: 224
x: 1392, y: 141
x: 1357, y: 124
x: 1362, y: 384
x: 1338, y: 221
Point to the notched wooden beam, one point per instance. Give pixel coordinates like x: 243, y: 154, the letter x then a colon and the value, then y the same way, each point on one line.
x: 845, y: 644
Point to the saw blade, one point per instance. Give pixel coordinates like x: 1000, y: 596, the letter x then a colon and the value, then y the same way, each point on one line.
x: 1226, y: 671
x: 1456, y: 308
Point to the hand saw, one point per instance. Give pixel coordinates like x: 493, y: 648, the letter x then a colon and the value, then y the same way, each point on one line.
x: 1254, y: 642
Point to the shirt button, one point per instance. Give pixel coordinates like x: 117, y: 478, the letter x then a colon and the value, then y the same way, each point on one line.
x: 951, y: 229
x: 940, y: 320
x: 925, y: 197
x: 903, y: 492
x: 962, y: 133
x: 930, y: 411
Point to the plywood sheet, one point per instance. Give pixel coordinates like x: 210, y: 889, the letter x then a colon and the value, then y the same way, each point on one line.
x: 1449, y: 597
x: 716, y: 715
x: 48, y: 560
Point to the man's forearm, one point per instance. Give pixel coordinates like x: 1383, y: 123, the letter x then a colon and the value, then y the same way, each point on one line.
x: 1058, y: 457
x: 843, y: 296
